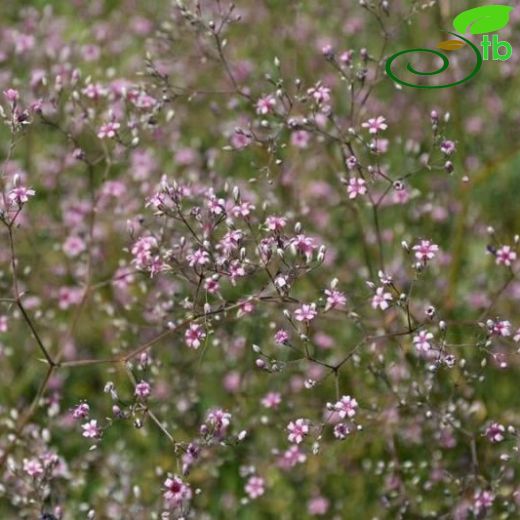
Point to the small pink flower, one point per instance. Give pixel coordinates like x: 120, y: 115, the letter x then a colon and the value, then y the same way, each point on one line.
x: 300, y: 139
x: 273, y: 223
x: 4, y: 324
x: 335, y: 299
x: 499, y: 328
x: 198, y: 257
x: 341, y: 431
x: 356, y: 186
x: 447, y: 147
x: 292, y: 456
x: 320, y: 94
x: 505, y: 256
x: 20, y: 195
x: 73, y: 246
x: 495, y: 432
x: 298, y: 430
x: 32, y: 467
x: 240, y: 140
x: 271, y: 400
x: 265, y: 105
x: 108, y: 130
x: 81, y: 411
x: 176, y: 491
x: 375, y: 125
x: 12, y: 95
x: 482, y: 500
x: 255, y: 487
x: 381, y: 298
x: 91, y: 429
x: 142, y: 390
x: 346, y: 407
x: 422, y: 341
x: 318, y: 506
x: 219, y: 420
x: 425, y: 251
x: 281, y: 337
x: 194, y: 336
x: 306, y: 312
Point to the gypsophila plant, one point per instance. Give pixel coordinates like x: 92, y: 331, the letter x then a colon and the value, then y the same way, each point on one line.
x: 243, y: 274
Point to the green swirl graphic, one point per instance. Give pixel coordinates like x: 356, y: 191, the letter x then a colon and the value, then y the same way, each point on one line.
x: 442, y: 68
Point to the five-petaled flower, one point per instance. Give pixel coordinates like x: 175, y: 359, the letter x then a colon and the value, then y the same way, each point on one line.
x: 422, y: 341
x: 298, y: 430
x: 346, y: 407
x: 91, y: 429
x: 306, y: 312
x: 356, y: 186
x: 505, y: 255
x: 381, y: 299
x: 255, y: 487
x: 495, y: 432
x: 425, y: 250
x: 108, y: 130
x: 375, y: 125
x: 194, y: 336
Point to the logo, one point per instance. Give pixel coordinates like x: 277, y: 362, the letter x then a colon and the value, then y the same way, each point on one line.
x: 479, y: 20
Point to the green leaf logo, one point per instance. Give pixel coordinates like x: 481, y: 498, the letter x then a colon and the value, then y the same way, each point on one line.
x: 480, y: 20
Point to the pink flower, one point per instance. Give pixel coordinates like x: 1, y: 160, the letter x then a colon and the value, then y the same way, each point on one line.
x: 341, y: 431
x: 356, y: 186
x: 265, y: 105
x: 335, y: 299
x: 94, y: 91
x: 194, y: 336
x: 281, y: 337
x: 243, y: 210
x: 219, y: 420
x: 91, y: 429
x: 320, y: 93
x: 505, y: 256
x: 12, y: 95
x: 240, y: 139
x: 255, y: 487
x: 495, y: 432
x: 298, y: 430
x: 4, y: 324
x: 375, y: 125
x: 499, y: 328
x: 142, y: 390
x: 422, y: 341
x: 304, y: 244
x: 306, y: 312
x: 381, y: 298
x: 318, y: 506
x: 32, y: 467
x: 198, y: 257
x: 482, y: 500
x: 176, y: 491
x: 108, y: 130
x: 273, y: 223
x: 425, y: 251
x: 81, y: 411
x: 300, y: 139
x: 346, y: 407
x: 292, y: 456
x: 447, y: 147
x: 20, y: 195
x: 271, y: 400
x: 73, y: 246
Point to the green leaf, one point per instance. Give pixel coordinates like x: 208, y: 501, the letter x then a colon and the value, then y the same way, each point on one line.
x: 480, y: 20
